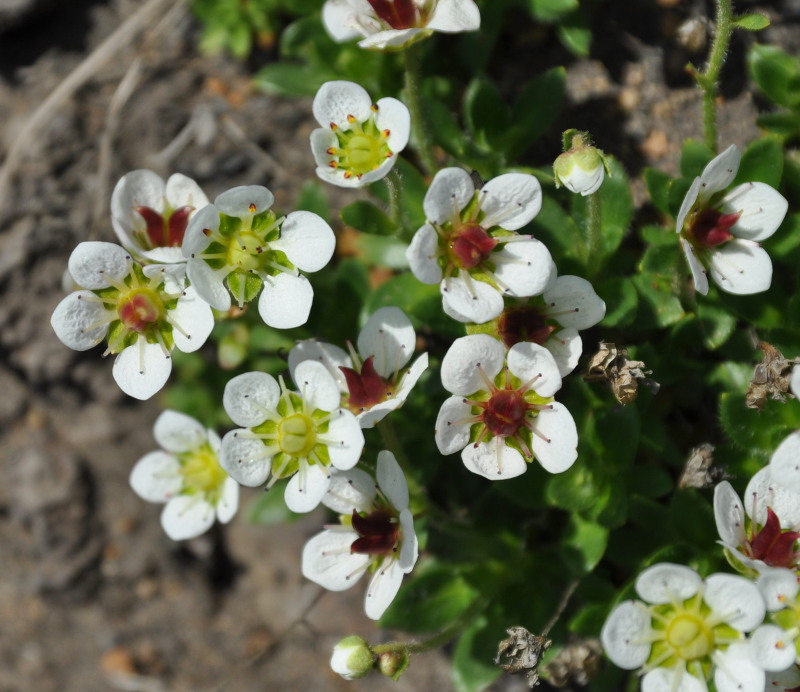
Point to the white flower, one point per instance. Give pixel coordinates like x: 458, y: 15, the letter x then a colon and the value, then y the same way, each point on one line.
x: 186, y: 475
x: 751, y: 546
x: 719, y: 231
x: 785, y: 681
x: 689, y: 625
x: 764, y: 491
x: 580, y: 169
x: 150, y: 216
x: 516, y: 416
x: 352, y: 658
x: 376, y: 534
x: 142, y: 316
x: 468, y: 248
x: 391, y: 24
x: 289, y: 434
x: 570, y: 303
x: 775, y: 646
x: 237, y: 241
x: 373, y: 381
x: 359, y: 141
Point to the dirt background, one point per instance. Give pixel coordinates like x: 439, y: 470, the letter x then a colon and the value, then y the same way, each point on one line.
x: 93, y: 595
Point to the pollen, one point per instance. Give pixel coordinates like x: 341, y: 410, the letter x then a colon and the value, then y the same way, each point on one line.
x: 332, y: 151
x: 333, y: 164
x: 252, y: 208
x: 348, y: 175
x: 351, y: 118
x: 385, y: 133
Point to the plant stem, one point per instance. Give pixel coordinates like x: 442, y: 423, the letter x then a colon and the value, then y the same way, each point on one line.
x: 419, y: 124
x: 393, y: 186
x: 593, y: 234
x: 709, y: 79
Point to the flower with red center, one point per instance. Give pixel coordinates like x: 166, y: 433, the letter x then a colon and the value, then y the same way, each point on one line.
x: 394, y: 24
x: 502, y: 413
x: 468, y: 246
x: 374, y: 379
x: 720, y: 230
x: 375, y: 534
x: 150, y: 216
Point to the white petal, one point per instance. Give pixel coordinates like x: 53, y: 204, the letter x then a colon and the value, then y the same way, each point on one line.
x: 666, y: 680
x: 772, y: 648
x: 763, y: 491
x: 738, y: 671
x: 555, y: 439
x: 307, y: 241
x: 452, y: 16
x: 142, y: 369
x: 450, y: 191
x: 176, y: 432
x: 245, y: 458
x: 664, y: 582
x: 729, y: 515
x: 784, y: 681
x: 80, y: 321
x: 584, y: 182
x: 624, y: 635
x: 186, y: 516
x: 285, y: 301
x: 317, y: 386
x: 228, y: 502
x: 346, y: 440
x: 336, y: 17
x: 371, y: 417
x: 244, y: 201
x: 476, y: 300
x: 762, y: 210
x: 250, y: 398
x: 409, y: 550
x: 524, y: 268
x: 322, y: 139
x: 720, y: 172
x: 785, y: 463
x: 383, y: 587
x: 422, y: 255
x: 140, y: 188
x: 391, y: 480
x: 377, y: 173
x: 332, y: 357
x: 327, y: 560
x: 410, y: 378
x: 510, y: 201
x: 92, y: 261
x: 794, y: 383
x: 460, y: 373
x: 687, y: 204
x: 209, y: 284
x: 336, y: 100
x: 196, y: 239
x: 182, y: 191
x: 778, y: 586
x: 566, y: 347
x: 393, y: 38
x: 527, y: 360
x: 349, y: 490
x: 171, y: 276
x: 741, y: 267
x: 736, y: 599
x: 698, y: 271
x: 389, y: 336
x: 156, y: 477
x: 393, y: 115
x: 451, y: 438
x: 575, y: 301
x: 192, y: 321
x: 494, y: 460
x: 336, y: 176
x: 306, y: 488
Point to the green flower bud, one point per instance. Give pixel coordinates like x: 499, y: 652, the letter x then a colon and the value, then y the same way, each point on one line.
x: 581, y: 168
x: 352, y: 658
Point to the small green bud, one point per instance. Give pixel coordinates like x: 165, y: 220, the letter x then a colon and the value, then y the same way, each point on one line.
x: 352, y: 658
x: 581, y: 168
x: 392, y: 664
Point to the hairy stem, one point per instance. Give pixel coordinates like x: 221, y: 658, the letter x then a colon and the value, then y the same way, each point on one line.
x: 593, y: 234
x: 419, y: 124
x: 708, y: 81
x: 394, y: 187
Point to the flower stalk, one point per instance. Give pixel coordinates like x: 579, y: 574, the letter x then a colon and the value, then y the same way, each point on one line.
x: 413, y: 85
x: 708, y: 80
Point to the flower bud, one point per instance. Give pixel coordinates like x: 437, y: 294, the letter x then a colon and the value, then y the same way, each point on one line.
x: 393, y: 663
x: 352, y: 658
x: 581, y: 168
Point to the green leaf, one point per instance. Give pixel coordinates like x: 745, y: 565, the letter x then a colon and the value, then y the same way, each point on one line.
x: 751, y: 22
x: 473, y: 668
x: 716, y: 324
x: 535, y: 110
x: 556, y: 229
x: 575, y: 490
x: 292, y: 80
x: 551, y: 10
x: 405, y: 292
x: 366, y: 217
x: 486, y: 113
x: 659, y: 294
x: 431, y: 601
x: 757, y: 432
x: 588, y: 539
x: 621, y: 300
x: 575, y: 34
x: 658, y: 184
x: 314, y: 198
x: 762, y: 162
x: 383, y: 251
x: 693, y: 518
x: 694, y: 158
x: 777, y: 74
x: 269, y: 508
x: 446, y: 131
x: 785, y: 124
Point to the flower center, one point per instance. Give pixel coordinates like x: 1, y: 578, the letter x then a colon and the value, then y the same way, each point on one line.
x: 378, y: 533
x: 297, y: 435
x: 689, y: 636
x: 165, y: 230
x: 244, y: 250
x: 398, y: 14
x: 140, y: 309
x: 523, y: 324
x: 773, y: 546
x: 505, y: 413
x: 710, y: 228
x: 470, y: 246
x: 362, y: 148
x: 202, y: 473
x: 366, y: 388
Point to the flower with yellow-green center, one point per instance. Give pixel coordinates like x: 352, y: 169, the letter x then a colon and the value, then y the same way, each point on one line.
x: 287, y: 434
x: 186, y: 475
x: 684, y: 627
x: 143, y: 315
x: 359, y: 140
x: 502, y: 413
x: 238, y: 247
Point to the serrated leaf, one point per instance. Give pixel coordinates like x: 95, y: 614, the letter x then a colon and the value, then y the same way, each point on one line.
x: 366, y: 217
x: 751, y: 22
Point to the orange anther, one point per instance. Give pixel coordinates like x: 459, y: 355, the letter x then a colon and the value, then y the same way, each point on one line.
x: 351, y: 118
x: 333, y: 164
x: 334, y: 126
x: 385, y: 133
x: 348, y: 175
x: 331, y: 151
x: 374, y: 107
x: 252, y: 207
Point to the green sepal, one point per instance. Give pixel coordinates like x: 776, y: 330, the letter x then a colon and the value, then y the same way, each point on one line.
x: 244, y: 286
